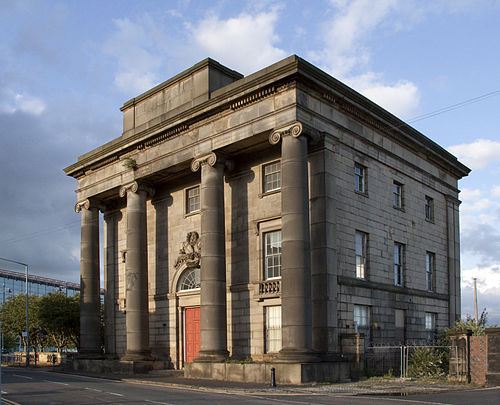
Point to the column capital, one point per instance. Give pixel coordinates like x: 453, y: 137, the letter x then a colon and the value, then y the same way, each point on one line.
x: 136, y: 187
x: 210, y: 159
x: 88, y: 204
x: 452, y: 200
x: 294, y: 129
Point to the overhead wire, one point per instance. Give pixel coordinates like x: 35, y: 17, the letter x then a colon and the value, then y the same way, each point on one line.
x: 40, y: 233
x: 410, y: 121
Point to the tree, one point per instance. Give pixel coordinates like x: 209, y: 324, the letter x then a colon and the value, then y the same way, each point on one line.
x: 59, y: 317
x: 13, y: 314
x: 469, y: 323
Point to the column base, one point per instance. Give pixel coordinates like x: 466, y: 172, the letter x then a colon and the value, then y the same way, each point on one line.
x: 137, y: 355
x: 297, y: 356
x: 211, y: 356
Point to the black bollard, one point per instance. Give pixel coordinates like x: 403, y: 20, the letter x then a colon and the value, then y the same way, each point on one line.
x: 273, y: 377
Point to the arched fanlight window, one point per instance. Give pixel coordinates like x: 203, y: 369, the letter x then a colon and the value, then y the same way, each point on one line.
x: 189, y: 280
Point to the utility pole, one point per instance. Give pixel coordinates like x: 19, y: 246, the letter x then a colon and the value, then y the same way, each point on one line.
x: 475, y: 301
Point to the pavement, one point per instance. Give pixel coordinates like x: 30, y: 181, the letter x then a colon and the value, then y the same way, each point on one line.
x: 371, y: 386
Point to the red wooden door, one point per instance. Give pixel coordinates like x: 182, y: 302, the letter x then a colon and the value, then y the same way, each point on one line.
x: 192, y: 337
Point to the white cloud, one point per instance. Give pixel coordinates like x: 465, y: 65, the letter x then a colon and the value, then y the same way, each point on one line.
x: 478, y: 154
x: 477, y: 205
x: 488, y: 287
x: 401, y: 98
x: 467, y: 195
x: 346, y: 53
x: 134, y: 46
x: 14, y: 102
x: 344, y: 35
x: 488, y: 278
x: 495, y: 191
x: 245, y: 43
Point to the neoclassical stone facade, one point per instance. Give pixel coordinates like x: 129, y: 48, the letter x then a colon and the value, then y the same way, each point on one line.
x: 265, y: 217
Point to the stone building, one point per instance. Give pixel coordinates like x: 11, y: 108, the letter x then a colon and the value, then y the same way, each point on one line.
x: 265, y: 217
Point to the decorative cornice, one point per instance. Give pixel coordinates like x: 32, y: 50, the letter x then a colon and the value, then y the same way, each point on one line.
x: 163, y: 136
x: 135, y: 187
x: 253, y: 98
x: 294, y: 129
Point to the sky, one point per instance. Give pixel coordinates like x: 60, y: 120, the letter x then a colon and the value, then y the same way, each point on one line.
x: 66, y: 67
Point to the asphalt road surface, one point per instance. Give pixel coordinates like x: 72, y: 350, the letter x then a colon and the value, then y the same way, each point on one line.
x: 32, y: 387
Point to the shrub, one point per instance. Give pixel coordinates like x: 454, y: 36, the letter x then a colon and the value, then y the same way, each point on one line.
x: 427, y: 362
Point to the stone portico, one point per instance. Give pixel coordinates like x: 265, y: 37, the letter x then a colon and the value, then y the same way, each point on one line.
x: 263, y: 169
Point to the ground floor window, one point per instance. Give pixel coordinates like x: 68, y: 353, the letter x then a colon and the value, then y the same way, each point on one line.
x: 430, y: 326
x: 361, y: 316
x: 273, y: 329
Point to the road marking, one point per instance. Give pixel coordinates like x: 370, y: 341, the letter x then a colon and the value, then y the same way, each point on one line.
x: 56, y: 382
x: 115, y: 393
x: 409, y: 401
x: 156, y: 402
x: 22, y: 376
x: 93, y: 389
x: 9, y: 402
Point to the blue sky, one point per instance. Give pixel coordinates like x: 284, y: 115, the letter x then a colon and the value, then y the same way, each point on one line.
x: 67, y: 66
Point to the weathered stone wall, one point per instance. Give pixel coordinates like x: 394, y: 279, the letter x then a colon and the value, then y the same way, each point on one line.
x: 199, y: 112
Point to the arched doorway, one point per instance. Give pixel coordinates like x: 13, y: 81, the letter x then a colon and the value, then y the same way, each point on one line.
x: 188, y: 299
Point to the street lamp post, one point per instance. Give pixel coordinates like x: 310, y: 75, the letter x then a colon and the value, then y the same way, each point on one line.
x: 27, y: 311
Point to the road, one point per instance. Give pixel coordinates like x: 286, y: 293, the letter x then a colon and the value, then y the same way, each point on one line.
x: 32, y: 387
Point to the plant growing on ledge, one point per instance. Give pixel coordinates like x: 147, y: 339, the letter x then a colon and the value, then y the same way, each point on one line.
x: 130, y: 163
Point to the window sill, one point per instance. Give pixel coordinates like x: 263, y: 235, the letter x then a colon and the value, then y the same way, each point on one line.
x: 190, y: 214
x: 364, y: 194
x: 262, y: 195
x: 399, y: 208
x: 431, y: 221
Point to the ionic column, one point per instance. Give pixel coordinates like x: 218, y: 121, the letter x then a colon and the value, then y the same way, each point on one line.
x: 296, y: 325
x: 136, y: 273
x: 90, y: 303
x: 213, y: 326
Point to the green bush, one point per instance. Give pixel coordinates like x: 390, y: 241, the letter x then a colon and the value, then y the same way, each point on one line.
x: 428, y: 362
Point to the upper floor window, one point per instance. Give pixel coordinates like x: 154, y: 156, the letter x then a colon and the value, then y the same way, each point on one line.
x: 429, y: 208
x: 397, y: 195
x: 430, y: 264
x: 360, y: 242
x: 361, y: 316
x: 192, y: 199
x: 359, y: 178
x: 272, y: 254
x: 398, y: 263
x: 271, y: 177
